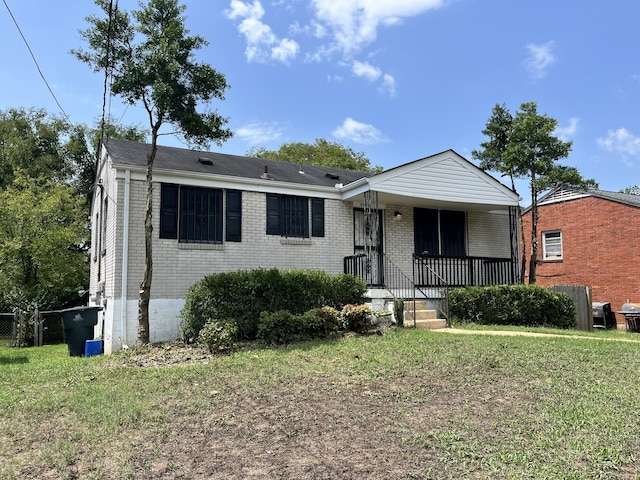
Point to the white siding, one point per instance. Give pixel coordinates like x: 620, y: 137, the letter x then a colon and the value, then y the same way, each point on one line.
x: 446, y: 177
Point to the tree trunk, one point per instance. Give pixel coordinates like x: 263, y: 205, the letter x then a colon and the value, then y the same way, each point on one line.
x: 145, y: 284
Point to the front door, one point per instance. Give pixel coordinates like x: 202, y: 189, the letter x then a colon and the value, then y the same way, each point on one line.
x: 367, y: 240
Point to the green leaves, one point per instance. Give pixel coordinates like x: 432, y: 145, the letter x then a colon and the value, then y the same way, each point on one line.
x: 42, y: 235
x: 151, y: 58
x: 321, y: 152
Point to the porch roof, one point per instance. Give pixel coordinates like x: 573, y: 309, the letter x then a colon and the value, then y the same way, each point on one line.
x: 444, y: 180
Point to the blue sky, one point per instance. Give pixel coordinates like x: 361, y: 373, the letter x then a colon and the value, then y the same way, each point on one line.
x: 396, y: 79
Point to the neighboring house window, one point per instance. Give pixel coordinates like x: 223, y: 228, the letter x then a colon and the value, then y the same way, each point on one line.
x: 288, y: 216
x: 440, y: 232
x: 552, y: 245
x: 195, y: 214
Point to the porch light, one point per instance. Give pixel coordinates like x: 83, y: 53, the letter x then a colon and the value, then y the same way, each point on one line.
x: 398, y: 215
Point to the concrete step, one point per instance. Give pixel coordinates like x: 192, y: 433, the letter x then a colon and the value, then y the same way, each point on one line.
x: 420, y: 305
x: 423, y: 314
x: 431, y: 324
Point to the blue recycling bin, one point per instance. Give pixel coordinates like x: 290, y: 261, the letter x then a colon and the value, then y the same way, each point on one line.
x: 78, y: 324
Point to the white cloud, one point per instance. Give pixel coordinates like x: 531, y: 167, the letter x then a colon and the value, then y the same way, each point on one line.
x: 369, y: 72
x: 366, y: 70
x: 355, y: 23
x: 388, y: 84
x: 621, y: 141
x: 540, y: 58
x: 285, y: 51
x: 358, y: 132
x: 259, y: 133
x: 262, y: 43
x: 567, y: 133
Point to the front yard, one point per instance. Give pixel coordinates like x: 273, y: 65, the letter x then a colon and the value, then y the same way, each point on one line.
x: 406, y: 405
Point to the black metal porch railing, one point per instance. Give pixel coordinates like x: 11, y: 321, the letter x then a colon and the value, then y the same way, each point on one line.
x: 377, y: 270
x: 436, y: 270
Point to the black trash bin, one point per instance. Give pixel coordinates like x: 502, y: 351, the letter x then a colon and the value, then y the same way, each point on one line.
x: 78, y: 323
x: 603, y: 316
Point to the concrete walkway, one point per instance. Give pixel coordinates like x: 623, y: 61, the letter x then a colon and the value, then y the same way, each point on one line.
x: 511, y: 333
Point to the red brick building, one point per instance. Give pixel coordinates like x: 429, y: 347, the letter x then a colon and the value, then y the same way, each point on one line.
x: 589, y: 238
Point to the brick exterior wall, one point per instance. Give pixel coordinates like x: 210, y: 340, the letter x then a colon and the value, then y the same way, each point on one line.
x: 600, y: 244
x: 176, y: 265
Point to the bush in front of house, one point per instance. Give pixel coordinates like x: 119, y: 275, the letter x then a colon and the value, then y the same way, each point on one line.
x: 244, y: 295
x: 218, y: 335
x: 357, y: 318
x: 518, y: 305
x: 283, y: 326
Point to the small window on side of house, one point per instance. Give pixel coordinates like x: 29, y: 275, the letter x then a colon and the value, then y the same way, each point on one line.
x: 552, y: 245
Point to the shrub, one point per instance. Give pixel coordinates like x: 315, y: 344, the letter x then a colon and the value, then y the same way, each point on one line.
x: 519, y: 305
x: 282, y: 326
x: 218, y: 335
x: 321, y: 321
x: 278, y: 327
x: 398, y: 311
x: 243, y: 295
x: 357, y: 318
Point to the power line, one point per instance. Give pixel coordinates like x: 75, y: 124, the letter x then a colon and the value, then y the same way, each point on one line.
x: 36, y: 62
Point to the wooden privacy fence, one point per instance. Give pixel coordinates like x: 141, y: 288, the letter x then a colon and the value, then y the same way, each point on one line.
x: 30, y: 328
x: 581, y: 296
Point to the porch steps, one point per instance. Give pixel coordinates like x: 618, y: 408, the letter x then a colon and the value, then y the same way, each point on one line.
x: 424, y: 318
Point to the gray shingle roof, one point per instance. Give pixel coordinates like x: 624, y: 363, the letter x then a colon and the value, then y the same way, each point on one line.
x: 567, y: 194
x: 128, y: 153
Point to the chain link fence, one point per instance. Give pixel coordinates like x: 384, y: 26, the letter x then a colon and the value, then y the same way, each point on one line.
x: 35, y: 328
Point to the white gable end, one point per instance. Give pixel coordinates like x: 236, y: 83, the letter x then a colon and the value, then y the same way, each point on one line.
x: 446, y: 177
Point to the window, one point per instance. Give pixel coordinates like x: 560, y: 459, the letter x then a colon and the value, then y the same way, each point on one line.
x: 439, y: 232
x: 288, y: 216
x: 195, y: 214
x: 552, y: 245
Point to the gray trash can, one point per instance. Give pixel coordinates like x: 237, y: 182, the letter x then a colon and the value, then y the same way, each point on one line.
x: 78, y: 323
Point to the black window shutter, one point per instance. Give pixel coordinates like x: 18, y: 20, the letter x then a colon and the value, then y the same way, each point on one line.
x: 317, y: 217
x: 234, y: 216
x: 273, y: 214
x: 169, y: 211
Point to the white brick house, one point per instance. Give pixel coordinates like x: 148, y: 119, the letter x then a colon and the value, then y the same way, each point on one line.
x: 439, y: 215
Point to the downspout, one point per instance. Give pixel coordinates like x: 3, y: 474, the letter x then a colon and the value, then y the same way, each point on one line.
x: 125, y: 257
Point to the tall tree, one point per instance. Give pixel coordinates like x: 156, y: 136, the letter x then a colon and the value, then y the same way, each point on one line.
x: 531, y: 151
x: 492, y: 158
x: 150, y: 57
x: 34, y: 142
x: 321, y: 152
x: 43, y: 229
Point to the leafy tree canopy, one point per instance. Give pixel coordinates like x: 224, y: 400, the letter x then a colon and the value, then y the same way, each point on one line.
x: 36, y: 143
x: 631, y: 190
x: 43, y: 228
x: 524, y: 146
x: 321, y: 152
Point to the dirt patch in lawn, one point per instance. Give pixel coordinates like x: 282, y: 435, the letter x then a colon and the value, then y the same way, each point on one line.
x: 321, y: 427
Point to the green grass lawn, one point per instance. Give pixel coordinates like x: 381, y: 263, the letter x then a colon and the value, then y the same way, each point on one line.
x: 408, y: 404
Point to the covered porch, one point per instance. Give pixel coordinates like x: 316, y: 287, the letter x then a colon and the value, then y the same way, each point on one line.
x: 431, y: 225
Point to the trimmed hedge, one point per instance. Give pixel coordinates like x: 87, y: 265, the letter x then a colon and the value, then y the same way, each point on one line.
x: 244, y: 295
x: 519, y: 305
